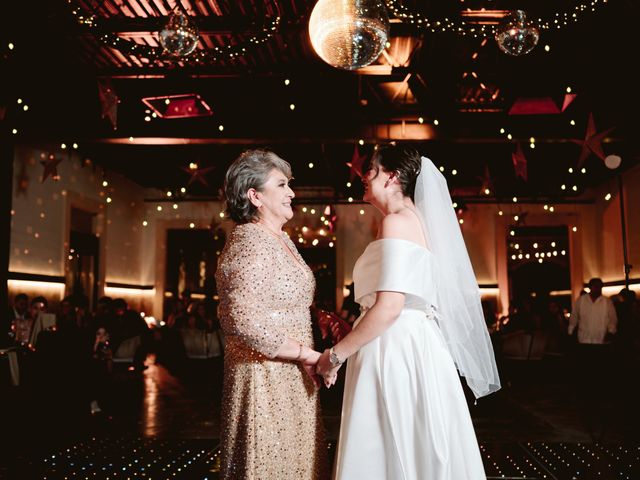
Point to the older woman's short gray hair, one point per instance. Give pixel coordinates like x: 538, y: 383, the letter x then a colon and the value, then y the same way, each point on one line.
x: 250, y: 170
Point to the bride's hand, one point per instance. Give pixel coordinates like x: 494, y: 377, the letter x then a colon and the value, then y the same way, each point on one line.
x: 328, y: 372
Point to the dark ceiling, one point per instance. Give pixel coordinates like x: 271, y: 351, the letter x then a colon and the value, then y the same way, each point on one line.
x: 465, y: 85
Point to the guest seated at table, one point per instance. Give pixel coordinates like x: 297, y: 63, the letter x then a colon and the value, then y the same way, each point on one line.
x: 198, y: 318
x: 127, y: 324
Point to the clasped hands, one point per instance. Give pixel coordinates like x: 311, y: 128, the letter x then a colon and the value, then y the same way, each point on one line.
x: 317, y: 365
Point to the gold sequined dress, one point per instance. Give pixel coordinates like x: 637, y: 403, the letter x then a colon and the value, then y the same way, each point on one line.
x: 271, y: 426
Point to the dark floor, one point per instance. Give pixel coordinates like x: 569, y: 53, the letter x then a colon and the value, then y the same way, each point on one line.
x: 163, y: 423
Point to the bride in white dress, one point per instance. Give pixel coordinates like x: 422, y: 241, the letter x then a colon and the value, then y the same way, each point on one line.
x: 404, y: 414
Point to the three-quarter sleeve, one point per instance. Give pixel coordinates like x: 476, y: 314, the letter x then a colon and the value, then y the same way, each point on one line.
x: 245, y: 276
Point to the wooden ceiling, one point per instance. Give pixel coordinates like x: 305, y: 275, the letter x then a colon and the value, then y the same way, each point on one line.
x: 449, y: 94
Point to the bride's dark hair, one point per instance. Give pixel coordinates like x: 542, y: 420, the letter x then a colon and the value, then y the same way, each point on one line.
x: 405, y: 162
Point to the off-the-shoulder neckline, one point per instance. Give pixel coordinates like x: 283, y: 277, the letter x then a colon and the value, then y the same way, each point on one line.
x: 401, y: 240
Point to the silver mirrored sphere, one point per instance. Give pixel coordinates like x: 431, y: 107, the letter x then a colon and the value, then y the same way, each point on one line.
x: 517, y: 34
x: 179, y: 37
x: 349, y: 34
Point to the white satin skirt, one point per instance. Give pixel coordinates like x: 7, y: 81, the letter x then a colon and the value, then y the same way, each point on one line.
x: 404, y: 414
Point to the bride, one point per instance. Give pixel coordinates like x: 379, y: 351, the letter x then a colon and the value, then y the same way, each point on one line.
x: 404, y: 414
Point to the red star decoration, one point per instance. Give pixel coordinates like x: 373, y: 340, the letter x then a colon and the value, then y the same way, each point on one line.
x: 519, y: 162
x: 592, y: 142
x: 108, y: 102
x: 486, y: 181
x: 22, y: 180
x: 198, y: 175
x: 356, y: 163
x: 51, y: 168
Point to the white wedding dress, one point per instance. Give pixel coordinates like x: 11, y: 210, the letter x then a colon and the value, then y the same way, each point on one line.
x: 404, y: 414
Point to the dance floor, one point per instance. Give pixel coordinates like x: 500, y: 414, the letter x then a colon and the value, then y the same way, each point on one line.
x: 129, y: 457
x: 163, y: 424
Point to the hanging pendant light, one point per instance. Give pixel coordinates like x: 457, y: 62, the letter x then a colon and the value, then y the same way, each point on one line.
x: 349, y: 34
x: 179, y: 37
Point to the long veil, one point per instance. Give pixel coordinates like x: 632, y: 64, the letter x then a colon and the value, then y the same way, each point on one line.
x: 460, y: 314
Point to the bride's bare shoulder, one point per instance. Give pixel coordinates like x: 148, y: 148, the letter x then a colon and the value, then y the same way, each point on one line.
x: 404, y: 225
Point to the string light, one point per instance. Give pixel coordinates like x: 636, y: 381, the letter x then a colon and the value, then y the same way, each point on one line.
x: 158, y: 55
x: 445, y: 25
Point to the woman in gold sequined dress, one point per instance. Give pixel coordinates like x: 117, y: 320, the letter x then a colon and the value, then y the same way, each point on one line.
x: 271, y: 425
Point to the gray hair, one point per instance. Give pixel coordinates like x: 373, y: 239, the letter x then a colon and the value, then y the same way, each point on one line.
x: 250, y: 170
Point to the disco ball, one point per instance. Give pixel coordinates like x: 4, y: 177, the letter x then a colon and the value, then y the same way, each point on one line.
x: 517, y: 34
x: 349, y: 34
x: 179, y: 37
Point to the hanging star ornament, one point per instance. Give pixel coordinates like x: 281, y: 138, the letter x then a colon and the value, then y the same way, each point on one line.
x: 356, y: 163
x: 519, y: 162
x: 592, y: 142
x: 22, y: 181
x: 197, y: 174
x: 108, y: 102
x: 486, y: 182
x: 51, y: 168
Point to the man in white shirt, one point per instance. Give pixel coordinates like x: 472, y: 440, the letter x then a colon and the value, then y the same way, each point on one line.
x: 594, y: 315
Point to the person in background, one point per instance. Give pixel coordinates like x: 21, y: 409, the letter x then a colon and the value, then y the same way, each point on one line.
x: 595, y: 321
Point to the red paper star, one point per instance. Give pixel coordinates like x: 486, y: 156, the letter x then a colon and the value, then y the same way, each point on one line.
x: 486, y: 181
x: 592, y: 142
x: 519, y: 162
x: 356, y: 163
x: 22, y: 180
x: 198, y: 175
x: 108, y: 102
x: 51, y: 168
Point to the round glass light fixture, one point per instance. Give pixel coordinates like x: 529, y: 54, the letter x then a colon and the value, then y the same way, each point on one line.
x: 517, y: 34
x: 179, y: 37
x: 349, y: 34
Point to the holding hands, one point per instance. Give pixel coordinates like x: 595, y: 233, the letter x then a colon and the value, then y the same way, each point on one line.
x: 328, y: 369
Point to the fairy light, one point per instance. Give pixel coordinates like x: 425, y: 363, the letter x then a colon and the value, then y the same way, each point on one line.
x: 607, y: 197
x: 555, y: 21
x: 436, y: 122
x: 192, y: 225
x: 145, y: 223
x: 310, y: 164
x: 361, y: 142
x: 157, y: 55
x: 287, y: 81
x: 420, y: 120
